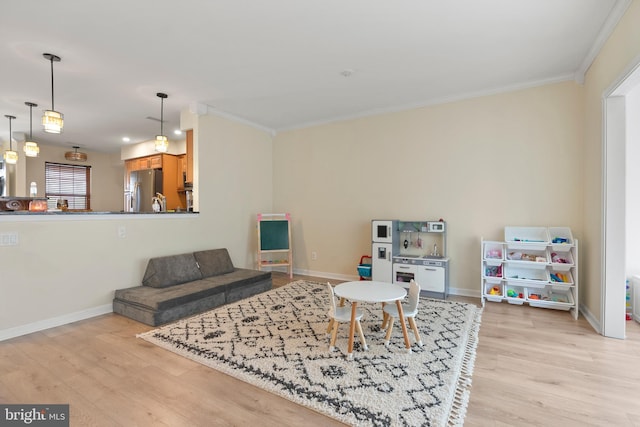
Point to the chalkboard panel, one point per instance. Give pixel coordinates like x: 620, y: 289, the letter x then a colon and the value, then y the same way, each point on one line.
x: 274, y: 235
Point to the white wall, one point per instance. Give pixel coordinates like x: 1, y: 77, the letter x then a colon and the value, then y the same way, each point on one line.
x: 480, y: 164
x: 68, y: 267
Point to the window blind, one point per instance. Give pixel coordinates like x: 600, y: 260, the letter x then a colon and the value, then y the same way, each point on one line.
x: 70, y: 182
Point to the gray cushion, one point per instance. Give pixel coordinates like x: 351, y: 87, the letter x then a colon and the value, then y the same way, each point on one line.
x: 214, y: 262
x: 171, y: 270
x: 238, y: 278
x: 166, y: 298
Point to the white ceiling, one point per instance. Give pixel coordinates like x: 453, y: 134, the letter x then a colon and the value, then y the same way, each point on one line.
x: 277, y: 64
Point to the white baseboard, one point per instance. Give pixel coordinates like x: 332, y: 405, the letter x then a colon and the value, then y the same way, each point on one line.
x: 325, y: 274
x: 593, y: 321
x: 41, y: 325
x: 472, y: 293
x: 452, y: 291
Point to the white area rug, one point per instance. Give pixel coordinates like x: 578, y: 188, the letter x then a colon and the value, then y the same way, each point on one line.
x: 277, y: 341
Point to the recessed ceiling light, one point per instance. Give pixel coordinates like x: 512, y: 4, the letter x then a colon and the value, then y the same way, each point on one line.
x: 126, y: 139
x: 177, y: 132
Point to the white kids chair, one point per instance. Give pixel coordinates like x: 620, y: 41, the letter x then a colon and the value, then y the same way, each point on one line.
x: 410, y: 310
x: 340, y: 314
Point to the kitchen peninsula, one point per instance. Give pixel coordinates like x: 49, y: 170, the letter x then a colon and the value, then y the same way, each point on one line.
x: 114, y: 213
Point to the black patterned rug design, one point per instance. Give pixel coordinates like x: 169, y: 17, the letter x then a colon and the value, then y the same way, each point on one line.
x: 277, y: 341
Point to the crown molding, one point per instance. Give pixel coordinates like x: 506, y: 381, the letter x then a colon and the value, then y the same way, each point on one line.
x: 617, y: 12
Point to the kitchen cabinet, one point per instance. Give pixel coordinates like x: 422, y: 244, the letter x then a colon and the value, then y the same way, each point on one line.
x: 189, y: 156
x: 432, y: 278
x: 142, y: 163
x: 537, y: 266
x: 169, y: 182
x: 155, y: 162
x: 182, y: 171
x: 432, y: 274
x: 181, y: 178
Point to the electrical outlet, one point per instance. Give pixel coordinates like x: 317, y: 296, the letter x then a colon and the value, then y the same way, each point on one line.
x: 314, y: 255
x: 122, y: 232
x: 9, y: 239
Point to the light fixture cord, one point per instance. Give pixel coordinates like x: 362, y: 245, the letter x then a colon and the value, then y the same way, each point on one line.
x: 10, y: 141
x: 161, y: 116
x: 30, y: 122
x: 53, y: 107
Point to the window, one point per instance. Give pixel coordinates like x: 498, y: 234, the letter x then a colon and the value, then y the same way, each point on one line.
x: 70, y: 182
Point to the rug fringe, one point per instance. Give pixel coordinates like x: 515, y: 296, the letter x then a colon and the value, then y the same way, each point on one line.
x: 462, y: 392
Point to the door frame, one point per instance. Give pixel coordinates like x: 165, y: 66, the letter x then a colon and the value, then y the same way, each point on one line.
x: 613, y: 252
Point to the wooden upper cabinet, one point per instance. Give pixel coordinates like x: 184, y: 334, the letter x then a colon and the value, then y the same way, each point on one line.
x: 189, y: 156
x: 133, y: 165
x: 182, y: 171
x: 169, y: 181
x: 155, y: 162
x: 149, y: 162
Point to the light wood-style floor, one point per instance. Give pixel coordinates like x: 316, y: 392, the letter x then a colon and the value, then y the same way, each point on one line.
x: 533, y: 367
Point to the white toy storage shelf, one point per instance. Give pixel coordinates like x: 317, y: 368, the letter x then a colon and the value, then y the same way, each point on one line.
x: 533, y: 265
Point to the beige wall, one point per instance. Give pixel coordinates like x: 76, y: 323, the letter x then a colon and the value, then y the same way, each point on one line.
x: 618, y: 53
x: 67, y: 268
x: 234, y: 183
x: 107, y: 175
x: 480, y: 164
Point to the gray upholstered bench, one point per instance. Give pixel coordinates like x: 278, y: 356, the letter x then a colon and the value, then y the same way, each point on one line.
x: 178, y: 286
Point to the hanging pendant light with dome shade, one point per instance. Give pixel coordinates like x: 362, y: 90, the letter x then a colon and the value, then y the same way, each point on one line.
x: 10, y: 156
x: 162, y: 144
x: 52, y: 120
x: 31, y: 148
x: 75, y: 155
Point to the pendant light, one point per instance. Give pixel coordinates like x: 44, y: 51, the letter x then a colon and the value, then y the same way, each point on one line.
x: 162, y: 144
x: 10, y: 156
x: 75, y: 155
x: 30, y: 148
x: 52, y: 120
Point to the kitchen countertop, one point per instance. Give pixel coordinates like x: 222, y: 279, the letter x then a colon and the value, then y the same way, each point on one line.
x: 3, y: 213
x: 422, y: 257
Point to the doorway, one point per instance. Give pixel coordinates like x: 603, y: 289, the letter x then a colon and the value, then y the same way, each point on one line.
x: 615, y: 140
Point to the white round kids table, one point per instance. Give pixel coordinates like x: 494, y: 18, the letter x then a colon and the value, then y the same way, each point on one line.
x: 371, y: 291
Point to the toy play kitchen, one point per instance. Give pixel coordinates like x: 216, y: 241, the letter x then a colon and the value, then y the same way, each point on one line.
x: 405, y: 250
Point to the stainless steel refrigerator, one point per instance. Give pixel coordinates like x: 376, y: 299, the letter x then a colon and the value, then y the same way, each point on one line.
x: 143, y: 186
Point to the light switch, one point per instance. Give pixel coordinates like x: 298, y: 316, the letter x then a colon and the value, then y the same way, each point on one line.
x: 9, y: 239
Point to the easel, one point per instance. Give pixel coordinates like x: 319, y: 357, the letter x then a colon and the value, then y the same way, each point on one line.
x: 274, y: 237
